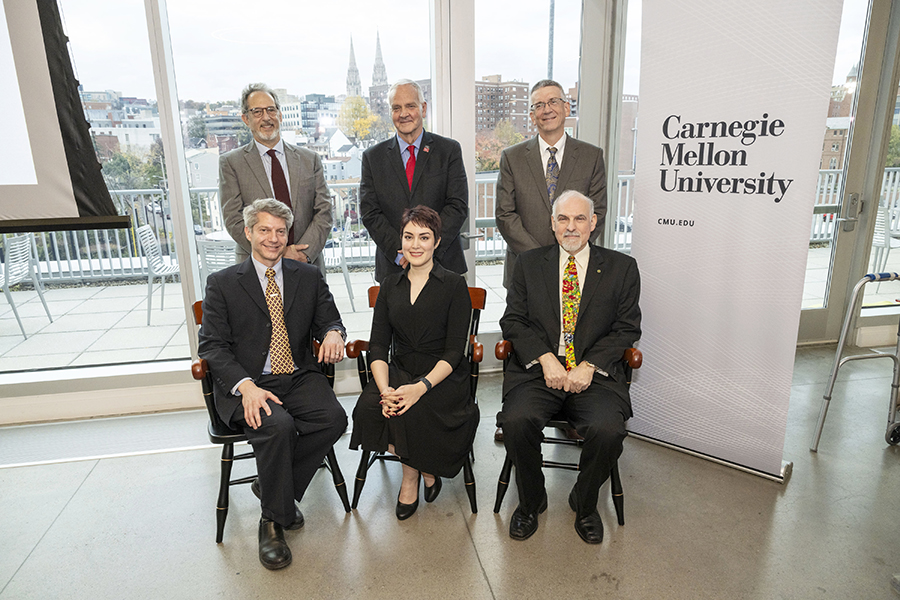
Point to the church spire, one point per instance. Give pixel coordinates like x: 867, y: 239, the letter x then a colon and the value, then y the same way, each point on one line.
x: 379, y: 74
x: 354, y: 86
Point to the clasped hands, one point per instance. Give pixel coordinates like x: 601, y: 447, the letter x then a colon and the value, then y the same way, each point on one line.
x: 557, y: 378
x: 395, y: 402
x: 295, y: 252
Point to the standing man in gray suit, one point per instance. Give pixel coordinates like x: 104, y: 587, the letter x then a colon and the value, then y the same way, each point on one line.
x: 268, y: 167
x: 535, y: 172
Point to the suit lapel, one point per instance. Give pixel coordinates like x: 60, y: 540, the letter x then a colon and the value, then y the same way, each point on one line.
x: 293, y: 163
x: 421, y: 160
x: 535, y: 164
x: 291, y: 283
x: 393, y: 158
x: 250, y: 283
x: 570, y: 164
x: 592, y: 278
x: 255, y: 164
x: 550, y: 268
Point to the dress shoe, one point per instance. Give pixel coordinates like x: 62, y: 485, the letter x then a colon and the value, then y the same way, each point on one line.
x: 522, y: 525
x: 298, y: 516
x: 590, y: 528
x: 273, y: 550
x: 431, y: 493
x: 405, y: 511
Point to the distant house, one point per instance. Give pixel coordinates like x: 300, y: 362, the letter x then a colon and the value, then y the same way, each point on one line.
x: 203, y: 167
x: 342, y: 168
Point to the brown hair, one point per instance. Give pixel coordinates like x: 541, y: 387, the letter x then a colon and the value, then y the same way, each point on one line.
x: 423, y: 217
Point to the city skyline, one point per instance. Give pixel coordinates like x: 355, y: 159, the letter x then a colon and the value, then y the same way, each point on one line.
x: 220, y: 46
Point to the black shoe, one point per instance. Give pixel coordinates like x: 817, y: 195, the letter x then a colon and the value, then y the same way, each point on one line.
x: 298, y: 516
x: 523, y: 525
x: 273, y: 550
x: 431, y: 493
x: 405, y: 511
x: 590, y: 528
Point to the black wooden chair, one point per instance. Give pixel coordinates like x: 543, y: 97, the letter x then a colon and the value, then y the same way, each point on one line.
x: 359, y: 349
x: 632, y: 359
x: 220, y: 433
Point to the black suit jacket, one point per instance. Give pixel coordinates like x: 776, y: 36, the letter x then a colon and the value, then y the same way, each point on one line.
x: 439, y: 182
x: 609, y: 318
x: 237, y: 330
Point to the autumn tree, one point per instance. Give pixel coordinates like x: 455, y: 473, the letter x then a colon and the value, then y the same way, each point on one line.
x: 893, y: 153
x: 490, y: 144
x: 355, y: 118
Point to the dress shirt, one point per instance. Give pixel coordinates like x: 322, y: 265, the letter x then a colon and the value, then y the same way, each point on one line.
x: 560, y: 146
x: 264, y: 283
x: 267, y: 163
x: 404, y: 147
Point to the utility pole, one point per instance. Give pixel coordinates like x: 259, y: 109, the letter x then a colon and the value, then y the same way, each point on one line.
x: 550, y: 49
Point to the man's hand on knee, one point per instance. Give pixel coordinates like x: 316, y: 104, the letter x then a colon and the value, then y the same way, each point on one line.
x: 579, y: 378
x: 554, y: 372
x: 253, y: 399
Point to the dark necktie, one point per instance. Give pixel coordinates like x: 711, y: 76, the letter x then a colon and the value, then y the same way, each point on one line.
x: 552, y: 176
x: 411, y: 166
x: 280, y: 346
x: 280, y: 187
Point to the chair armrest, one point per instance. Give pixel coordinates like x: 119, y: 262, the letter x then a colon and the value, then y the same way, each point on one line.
x: 634, y: 358
x: 199, y: 369
x: 477, y: 349
x: 357, y: 347
x: 503, y: 349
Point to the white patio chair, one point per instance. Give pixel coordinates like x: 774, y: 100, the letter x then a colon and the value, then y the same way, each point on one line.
x: 215, y: 255
x: 20, y: 265
x: 156, y: 266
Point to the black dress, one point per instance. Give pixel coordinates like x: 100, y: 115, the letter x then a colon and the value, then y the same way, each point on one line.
x: 435, y: 434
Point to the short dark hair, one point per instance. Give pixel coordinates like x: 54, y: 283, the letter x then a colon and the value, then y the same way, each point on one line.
x: 547, y: 83
x: 423, y: 217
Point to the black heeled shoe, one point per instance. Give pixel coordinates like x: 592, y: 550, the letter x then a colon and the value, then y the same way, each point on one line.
x: 431, y: 493
x: 405, y: 511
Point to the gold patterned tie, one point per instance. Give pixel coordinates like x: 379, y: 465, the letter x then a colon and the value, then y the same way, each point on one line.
x: 571, y: 297
x: 280, y: 347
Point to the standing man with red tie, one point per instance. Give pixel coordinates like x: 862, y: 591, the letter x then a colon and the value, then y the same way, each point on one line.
x: 268, y: 167
x: 414, y: 167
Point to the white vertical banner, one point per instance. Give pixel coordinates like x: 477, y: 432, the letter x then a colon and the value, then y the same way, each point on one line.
x: 733, y: 101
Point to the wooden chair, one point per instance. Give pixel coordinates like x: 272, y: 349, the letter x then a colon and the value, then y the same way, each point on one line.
x: 359, y: 350
x: 632, y: 359
x: 221, y: 433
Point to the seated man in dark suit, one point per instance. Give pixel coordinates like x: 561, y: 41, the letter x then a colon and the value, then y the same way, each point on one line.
x: 258, y: 320
x: 412, y: 168
x: 571, y: 312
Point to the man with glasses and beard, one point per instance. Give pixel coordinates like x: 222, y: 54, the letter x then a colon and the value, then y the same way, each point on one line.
x: 268, y: 167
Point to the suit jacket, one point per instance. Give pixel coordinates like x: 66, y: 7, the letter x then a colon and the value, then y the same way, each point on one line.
x: 609, y: 318
x: 439, y: 182
x: 237, y: 330
x: 242, y: 179
x: 523, y: 210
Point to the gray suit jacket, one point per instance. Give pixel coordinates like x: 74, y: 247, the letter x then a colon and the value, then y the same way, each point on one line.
x: 523, y: 210
x: 242, y: 179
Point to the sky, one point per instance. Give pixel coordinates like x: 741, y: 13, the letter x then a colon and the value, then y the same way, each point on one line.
x: 221, y: 45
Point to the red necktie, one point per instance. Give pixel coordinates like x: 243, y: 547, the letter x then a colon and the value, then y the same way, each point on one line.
x: 411, y: 166
x: 280, y: 187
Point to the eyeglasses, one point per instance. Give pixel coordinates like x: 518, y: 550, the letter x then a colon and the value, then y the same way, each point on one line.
x: 554, y: 102
x: 258, y: 112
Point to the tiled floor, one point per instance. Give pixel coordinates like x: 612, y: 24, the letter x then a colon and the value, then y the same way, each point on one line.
x: 133, y: 520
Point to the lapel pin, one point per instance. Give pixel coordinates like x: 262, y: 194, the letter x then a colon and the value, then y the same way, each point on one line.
x: 598, y: 271
x: 426, y: 148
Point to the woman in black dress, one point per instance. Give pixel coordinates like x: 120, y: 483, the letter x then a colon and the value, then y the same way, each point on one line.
x: 418, y: 407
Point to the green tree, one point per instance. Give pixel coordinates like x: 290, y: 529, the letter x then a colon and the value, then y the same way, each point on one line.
x: 893, y: 153
x: 507, y: 135
x: 197, y: 127
x: 355, y: 118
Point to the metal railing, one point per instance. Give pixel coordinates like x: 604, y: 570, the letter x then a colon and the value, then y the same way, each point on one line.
x: 116, y: 254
